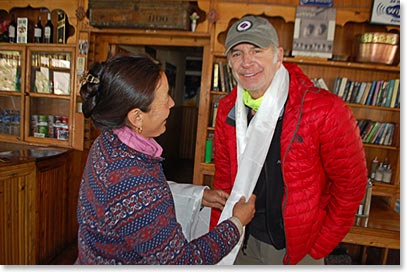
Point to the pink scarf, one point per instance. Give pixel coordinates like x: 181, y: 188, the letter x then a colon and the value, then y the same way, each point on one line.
x: 134, y: 140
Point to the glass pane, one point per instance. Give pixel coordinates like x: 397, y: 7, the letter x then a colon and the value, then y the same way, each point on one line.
x: 10, y: 115
x: 49, y: 118
x: 50, y: 73
x: 10, y: 71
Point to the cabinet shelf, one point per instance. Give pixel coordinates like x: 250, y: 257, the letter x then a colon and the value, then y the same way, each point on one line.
x: 53, y: 96
x: 372, y: 108
x: 10, y: 93
x: 380, y: 229
x: 218, y: 93
x: 383, y: 189
x: 207, y: 168
x: 385, y: 147
x: 342, y: 64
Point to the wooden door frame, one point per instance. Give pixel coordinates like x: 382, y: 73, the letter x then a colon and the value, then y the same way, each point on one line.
x: 101, y: 42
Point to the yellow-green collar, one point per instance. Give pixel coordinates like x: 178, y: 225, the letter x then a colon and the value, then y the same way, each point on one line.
x: 250, y: 102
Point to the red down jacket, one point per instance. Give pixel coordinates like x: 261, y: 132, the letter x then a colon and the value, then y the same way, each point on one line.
x: 323, y: 165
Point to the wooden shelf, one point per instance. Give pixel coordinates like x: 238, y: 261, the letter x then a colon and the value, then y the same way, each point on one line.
x: 343, y: 64
x: 380, y: 229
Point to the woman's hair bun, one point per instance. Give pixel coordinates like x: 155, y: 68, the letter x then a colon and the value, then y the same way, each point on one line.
x: 90, y: 86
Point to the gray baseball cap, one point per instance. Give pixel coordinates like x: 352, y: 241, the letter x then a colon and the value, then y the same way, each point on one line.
x: 251, y: 29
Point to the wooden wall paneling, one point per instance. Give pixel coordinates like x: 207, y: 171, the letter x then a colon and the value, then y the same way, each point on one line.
x: 52, y: 201
x: 77, y: 161
x: 188, y: 132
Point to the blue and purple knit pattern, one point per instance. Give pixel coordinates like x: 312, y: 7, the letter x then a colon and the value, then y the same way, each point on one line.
x: 126, y: 213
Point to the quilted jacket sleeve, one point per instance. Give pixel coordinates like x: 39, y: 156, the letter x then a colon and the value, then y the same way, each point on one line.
x: 225, y: 152
x: 345, y: 165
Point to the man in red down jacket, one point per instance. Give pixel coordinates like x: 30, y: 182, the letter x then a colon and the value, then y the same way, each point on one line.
x: 313, y: 176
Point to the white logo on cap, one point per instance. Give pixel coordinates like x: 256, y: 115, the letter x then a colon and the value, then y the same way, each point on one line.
x: 243, y: 26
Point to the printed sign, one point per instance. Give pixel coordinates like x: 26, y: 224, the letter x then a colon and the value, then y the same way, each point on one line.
x: 386, y: 12
x: 314, y: 31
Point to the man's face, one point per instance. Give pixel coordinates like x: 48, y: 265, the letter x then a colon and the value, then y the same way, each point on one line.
x: 253, y: 67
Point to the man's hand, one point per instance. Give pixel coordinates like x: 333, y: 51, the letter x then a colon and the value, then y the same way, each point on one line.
x: 214, y: 198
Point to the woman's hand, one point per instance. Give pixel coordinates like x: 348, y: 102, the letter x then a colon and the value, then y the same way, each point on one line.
x: 244, y: 211
x: 214, y: 198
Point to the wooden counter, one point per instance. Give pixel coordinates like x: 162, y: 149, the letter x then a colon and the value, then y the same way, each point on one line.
x: 34, y: 193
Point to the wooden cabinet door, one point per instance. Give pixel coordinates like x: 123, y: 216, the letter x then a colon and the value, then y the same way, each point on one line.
x: 17, y: 213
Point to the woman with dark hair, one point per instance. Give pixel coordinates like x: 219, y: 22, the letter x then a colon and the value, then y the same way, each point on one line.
x: 126, y: 209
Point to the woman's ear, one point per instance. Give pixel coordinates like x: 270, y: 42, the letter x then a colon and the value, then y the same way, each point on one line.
x: 135, y: 118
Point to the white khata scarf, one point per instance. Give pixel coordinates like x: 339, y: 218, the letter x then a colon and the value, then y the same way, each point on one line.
x: 253, y: 143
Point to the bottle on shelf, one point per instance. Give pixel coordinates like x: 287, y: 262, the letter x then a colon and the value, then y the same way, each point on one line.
x: 386, y: 162
x: 387, y: 174
x: 12, y: 30
x: 38, y: 31
x: 51, y: 87
x: 62, y: 28
x: 208, y: 148
x: 373, y: 167
x: 48, y: 30
x: 18, y: 81
x: 364, y: 206
x: 379, y: 173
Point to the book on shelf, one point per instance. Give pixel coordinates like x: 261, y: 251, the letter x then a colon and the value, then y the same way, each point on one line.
x: 379, y: 134
x: 355, y: 92
x: 366, y: 130
x: 388, y: 137
x: 389, y: 93
x: 371, y: 132
x: 370, y: 94
x: 346, y: 90
x: 232, y: 81
x: 215, y: 77
x: 397, y: 105
x: 361, y: 92
x: 337, y: 83
x: 380, y: 141
x: 349, y: 91
x: 381, y: 94
x: 322, y: 83
x: 377, y: 90
x: 396, y: 90
x: 227, y: 85
x: 214, y: 113
x: 342, y: 86
x: 222, y: 77
x: 365, y: 93
x: 362, y: 124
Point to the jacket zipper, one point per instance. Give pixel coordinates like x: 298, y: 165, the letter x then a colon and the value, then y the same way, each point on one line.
x: 283, y: 162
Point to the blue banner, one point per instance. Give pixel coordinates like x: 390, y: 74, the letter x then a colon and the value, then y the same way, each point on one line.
x: 321, y: 3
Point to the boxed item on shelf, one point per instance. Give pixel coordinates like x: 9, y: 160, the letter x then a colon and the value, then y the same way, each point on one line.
x: 22, y: 30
